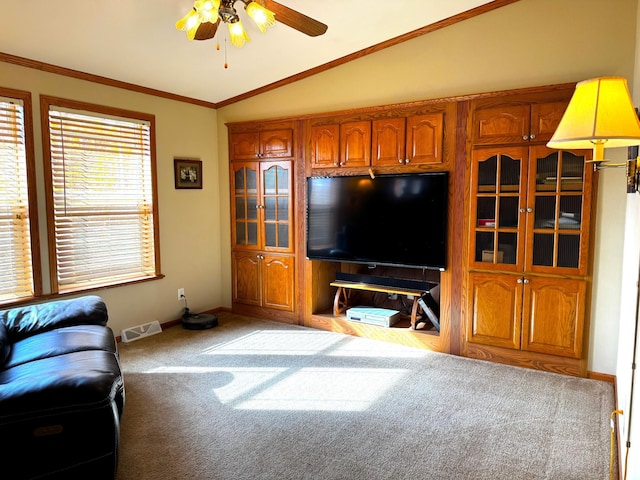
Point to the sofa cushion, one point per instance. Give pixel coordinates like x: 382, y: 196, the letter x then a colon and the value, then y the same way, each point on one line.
x: 5, y: 344
x: 56, y: 384
x: 60, y: 341
x: 22, y: 322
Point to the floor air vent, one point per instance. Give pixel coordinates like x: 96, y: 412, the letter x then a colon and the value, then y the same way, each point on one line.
x: 140, y: 331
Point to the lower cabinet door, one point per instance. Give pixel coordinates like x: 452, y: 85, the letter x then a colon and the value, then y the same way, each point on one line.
x: 495, y: 309
x: 553, y: 316
x: 277, y: 282
x: 246, y: 277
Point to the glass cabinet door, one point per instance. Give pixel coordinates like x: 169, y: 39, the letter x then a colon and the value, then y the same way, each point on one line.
x: 559, y: 198
x: 244, y: 208
x: 498, y: 178
x: 277, y: 205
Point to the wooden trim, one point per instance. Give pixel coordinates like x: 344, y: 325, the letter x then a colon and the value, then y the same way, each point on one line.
x: 603, y: 377
x: 68, y: 72
x: 32, y: 195
x: 474, y: 12
x: 89, y: 77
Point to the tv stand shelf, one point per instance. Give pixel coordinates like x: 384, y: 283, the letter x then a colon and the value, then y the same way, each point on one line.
x: 419, y: 291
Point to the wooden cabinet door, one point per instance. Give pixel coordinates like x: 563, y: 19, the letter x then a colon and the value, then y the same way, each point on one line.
x: 553, y: 316
x: 388, y: 142
x: 501, y: 125
x: 424, y: 138
x: 325, y: 146
x: 276, y: 144
x: 497, y: 213
x: 276, y: 206
x: 246, y: 277
x: 355, y: 144
x: 494, y: 309
x: 277, y: 282
x: 559, y: 211
x: 245, y: 202
x: 244, y: 146
x: 545, y: 118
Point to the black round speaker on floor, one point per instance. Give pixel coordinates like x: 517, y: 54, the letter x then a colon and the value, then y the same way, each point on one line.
x: 199, y: 321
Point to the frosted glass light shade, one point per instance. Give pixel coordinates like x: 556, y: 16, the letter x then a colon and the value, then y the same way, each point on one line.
x: 237, y: 34
x: 264, y: 18
x: 600, y: 114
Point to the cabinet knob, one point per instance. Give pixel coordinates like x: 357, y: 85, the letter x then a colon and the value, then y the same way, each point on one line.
x: 522, y: 210
x: 532, y: 136
x: 526, y: 280
x: 519, y: 280
x: 525, y: 137
x: 400, y: 160
x: 336, y: 164
x: 529, y: 209
x: 342, y: 163
x: 407, y: 161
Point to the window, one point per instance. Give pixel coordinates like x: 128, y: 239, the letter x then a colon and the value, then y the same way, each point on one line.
x: 20, y: 259
x: 101, y: 188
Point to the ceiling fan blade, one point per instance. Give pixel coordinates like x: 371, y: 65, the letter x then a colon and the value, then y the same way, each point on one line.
x: 206, y: 30
x: 296, y: 20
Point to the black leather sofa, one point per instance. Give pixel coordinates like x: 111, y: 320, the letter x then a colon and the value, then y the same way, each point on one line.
x: 61, y: 391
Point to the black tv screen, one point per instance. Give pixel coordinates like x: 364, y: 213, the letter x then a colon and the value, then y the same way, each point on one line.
x: 393, y: 220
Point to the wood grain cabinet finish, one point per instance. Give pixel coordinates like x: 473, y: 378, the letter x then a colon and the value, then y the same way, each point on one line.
x: 517, y: 123
x: 355, y: 144
x: 534, y: 314
x: 414, y: 140
x: 262, y: 220
x: 529, y: 227
x: 263, y: 280
x: 325, y: 146
x: 261, y: 145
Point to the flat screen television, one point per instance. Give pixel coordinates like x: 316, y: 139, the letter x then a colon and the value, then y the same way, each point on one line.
x: 392, y: 220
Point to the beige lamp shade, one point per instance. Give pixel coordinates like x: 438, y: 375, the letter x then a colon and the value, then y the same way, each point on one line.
x: 600, y: 114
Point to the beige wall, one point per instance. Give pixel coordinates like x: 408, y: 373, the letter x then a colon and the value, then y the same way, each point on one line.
x: 529, y: 43
x: 189, y: 219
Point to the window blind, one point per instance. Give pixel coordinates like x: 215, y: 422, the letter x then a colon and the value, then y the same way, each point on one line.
x: 101, y: 176
x: 16, y: 272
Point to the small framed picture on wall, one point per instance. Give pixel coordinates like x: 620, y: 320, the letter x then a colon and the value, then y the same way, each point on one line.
x: 187, y: 172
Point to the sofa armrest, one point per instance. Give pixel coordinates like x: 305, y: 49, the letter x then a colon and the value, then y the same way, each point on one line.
x: 22, y: 322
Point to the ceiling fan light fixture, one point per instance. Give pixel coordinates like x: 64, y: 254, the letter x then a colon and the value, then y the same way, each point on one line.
x: 263, y: 17
x: 189, y: 23
x: 207, y: 10
x: 237, y: 34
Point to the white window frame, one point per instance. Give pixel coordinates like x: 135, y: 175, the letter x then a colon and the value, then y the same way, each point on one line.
x: 101, y: 188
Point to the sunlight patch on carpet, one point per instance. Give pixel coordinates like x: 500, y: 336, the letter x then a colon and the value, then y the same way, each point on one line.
x: 268, y: 342
x: 326, y: 389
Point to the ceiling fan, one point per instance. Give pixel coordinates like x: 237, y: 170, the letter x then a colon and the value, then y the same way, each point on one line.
x: 201, y: 23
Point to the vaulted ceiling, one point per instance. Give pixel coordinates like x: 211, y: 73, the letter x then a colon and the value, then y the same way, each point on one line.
x: 136, y: 42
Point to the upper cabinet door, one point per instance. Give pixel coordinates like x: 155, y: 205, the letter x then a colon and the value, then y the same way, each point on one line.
x: 545, y: 118
x: 244, y: 146
x: 325, y: 146
x: 276, y: 144
x: 388, y: 141
x: 355, y: 144
x: 501, y: 125
x: 424, y: 138
x: 517, y: 124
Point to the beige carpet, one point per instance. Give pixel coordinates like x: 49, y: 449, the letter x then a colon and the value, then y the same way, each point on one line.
x: 253, y: 399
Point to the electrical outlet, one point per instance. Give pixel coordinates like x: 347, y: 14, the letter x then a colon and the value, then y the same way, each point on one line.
x: 181, y: 294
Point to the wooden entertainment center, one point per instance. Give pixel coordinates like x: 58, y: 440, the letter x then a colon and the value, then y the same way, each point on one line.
x: 516, y: 287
